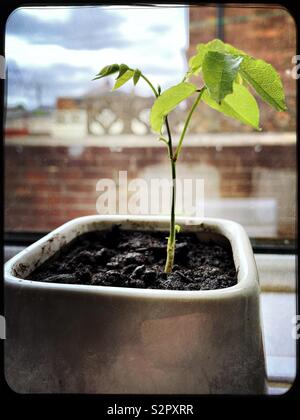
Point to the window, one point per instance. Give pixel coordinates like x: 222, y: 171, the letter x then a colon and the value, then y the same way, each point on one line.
x: 64, y: 132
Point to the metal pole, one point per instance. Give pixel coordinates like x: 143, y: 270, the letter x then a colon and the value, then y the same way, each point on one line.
x: 220, y: 32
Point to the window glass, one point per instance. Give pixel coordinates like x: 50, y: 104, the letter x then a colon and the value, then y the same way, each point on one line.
x: 65, y: 132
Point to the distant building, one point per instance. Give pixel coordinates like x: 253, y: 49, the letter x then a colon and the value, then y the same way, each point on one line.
x: 99, y: 112
x: 70, y: 118
x: 22, y: 122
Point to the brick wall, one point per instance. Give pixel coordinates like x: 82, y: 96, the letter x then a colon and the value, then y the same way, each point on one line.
x: 47, y: 186
x: 266, y: 33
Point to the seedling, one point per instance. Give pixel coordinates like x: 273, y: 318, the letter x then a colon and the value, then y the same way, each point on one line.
x: 225, y: 74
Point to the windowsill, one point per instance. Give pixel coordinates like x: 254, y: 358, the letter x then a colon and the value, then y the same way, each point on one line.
x: 276, y: 272
x: 150, y: 140
x: 278, y: 308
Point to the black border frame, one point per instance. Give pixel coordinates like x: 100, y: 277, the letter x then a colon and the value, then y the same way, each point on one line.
x: 101, y: 402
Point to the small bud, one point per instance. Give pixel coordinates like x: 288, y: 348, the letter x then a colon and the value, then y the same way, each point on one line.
x: 136, y: 76
x: 177, y: 228
x: 122, y: 69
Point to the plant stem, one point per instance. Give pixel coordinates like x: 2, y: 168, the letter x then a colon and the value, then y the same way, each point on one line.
x: 173, y: 160
x: 178, y: 149
x: 172, y: 234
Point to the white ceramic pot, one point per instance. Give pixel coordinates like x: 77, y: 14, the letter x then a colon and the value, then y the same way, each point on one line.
x: 97, y: 339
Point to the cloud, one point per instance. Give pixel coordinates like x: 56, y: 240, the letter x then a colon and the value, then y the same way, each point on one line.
x: 160, y: 70
x: 159, y: 28
x: 59, y: 73
x: 60, y: 51
x: 83, y: 29
x: 53, y: 81
x: 62, y: 79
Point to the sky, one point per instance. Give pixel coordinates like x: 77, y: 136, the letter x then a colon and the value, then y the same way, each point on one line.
x: 53, y: 52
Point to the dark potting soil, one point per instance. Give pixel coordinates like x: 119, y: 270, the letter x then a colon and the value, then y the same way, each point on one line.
x: 136, y: 259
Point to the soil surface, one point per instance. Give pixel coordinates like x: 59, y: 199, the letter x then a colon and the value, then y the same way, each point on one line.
x: 136, y: 259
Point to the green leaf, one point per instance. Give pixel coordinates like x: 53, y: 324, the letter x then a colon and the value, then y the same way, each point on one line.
x: 123, y: 69
x: 259, y: 74
x: 265, y: 80
x: 230, y: 49
x: 213, y: 45
x: 238, y: 79
x: 240, y: 105
x: 219, y: 71
x: 177, y: 228
x: 107, y: 71
x: 123, y: 79
x: 195, y: 62
x: 167, y: 101
x: 136, y: 76
x: 220, y: 46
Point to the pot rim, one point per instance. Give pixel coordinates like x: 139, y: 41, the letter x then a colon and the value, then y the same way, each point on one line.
x: 234, y: 232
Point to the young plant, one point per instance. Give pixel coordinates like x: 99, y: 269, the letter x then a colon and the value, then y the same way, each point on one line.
x: 226, y: 73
